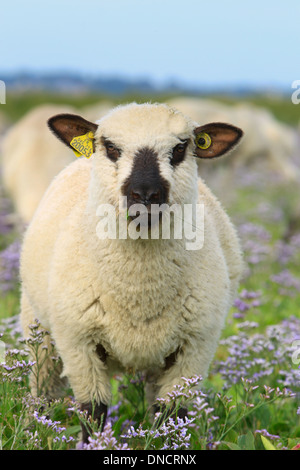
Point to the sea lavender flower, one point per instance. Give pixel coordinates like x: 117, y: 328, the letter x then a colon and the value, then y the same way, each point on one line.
x: 172, y: 433
x: 255, y: 242
x: 247, y: 300
x: 256, y: 356
x: 53, y: 425
x: 33, y: 440
x: 289, y: 284
x: 265, y: 433
x: 13, y: 369
x: 63, y: 439
x: 9, y: 266
x: 6, y: 221
x: 187, y: 391
x: 269, y: 212
x: 177, y: 434
x: 104, y: 440
x: 12, y: 328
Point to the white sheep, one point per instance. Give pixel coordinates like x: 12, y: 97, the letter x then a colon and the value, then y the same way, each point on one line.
x: 94, y: 112
x: 144, y: 304
x: 268, y: 143
x: 31, y: 157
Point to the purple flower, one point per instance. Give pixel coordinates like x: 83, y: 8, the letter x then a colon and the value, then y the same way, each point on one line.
x: 286, y: 279
x: 104, y: 440
x: 9, y: 266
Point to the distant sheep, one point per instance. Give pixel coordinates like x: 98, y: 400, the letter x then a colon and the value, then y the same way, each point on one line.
x: 124, y: 303
x: 94, y: 112
x: 267, y: 143
x: 31, y: 157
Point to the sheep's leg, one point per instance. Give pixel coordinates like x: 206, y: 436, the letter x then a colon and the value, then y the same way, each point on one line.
x: 85, y: 366
x: 97, y: 412
x: 152, y: 391
x: 192, y: 359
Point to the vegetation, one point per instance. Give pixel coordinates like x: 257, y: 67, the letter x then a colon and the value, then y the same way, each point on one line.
x: 17, y: 104
x: 250, y: 399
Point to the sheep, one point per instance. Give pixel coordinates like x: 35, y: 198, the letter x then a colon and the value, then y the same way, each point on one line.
x: 26, y: 175
x: 116, y: 304
x: 31, y: 157
x: 96, y: 111
x: 4, y: 124
x: 267, y: 142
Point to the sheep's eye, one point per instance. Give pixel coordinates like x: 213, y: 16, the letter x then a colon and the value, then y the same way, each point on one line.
x: 178, y: 153
x: 111, y: 151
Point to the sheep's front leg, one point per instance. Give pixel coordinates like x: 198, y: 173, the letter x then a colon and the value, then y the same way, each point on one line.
x: 95, y: 411
x: 84, y: 364
x: 152, y: 391
x: 191, y: 359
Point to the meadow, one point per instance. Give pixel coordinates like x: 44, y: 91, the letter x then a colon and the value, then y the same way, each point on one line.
x: 251, y: 398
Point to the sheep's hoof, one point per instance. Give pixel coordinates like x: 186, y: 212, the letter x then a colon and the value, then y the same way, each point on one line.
x: 97, y: 412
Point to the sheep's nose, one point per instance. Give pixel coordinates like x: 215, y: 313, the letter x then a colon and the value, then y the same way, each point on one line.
x: 145, y: 196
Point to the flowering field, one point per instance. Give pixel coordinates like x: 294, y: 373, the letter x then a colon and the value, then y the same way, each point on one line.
x: 251, y: 399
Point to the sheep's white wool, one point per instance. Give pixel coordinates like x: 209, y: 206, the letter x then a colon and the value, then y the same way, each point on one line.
x: 141, y: 300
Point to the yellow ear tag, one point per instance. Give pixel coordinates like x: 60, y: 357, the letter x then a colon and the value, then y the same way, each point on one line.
x: 203, y: 140
x: 83, y: 144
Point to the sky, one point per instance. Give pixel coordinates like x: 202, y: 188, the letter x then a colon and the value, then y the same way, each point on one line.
x: 196, y: 42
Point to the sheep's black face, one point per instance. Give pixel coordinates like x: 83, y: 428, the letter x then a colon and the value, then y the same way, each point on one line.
x: 145, y: 185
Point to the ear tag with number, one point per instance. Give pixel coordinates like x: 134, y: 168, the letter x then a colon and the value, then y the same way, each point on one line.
x: 83, y: 144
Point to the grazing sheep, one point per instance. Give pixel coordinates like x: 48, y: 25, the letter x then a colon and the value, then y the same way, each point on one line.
x: 123, y: 303
x: 268, y: 143
x: 31, y: 157
x: 96, y: 111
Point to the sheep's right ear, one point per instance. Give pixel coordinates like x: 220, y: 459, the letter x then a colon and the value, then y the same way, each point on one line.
x: 74, y: 130
x: 214, y: 139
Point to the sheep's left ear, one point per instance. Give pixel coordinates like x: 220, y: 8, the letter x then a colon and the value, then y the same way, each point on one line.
x: 214, y: 139
x: 74, y: 131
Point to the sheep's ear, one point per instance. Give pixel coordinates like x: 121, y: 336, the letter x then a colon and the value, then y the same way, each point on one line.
x: 74, y: 131
x: 214, y: 139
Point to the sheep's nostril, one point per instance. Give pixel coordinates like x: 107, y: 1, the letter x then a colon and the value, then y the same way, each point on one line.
x: 135, y: 195
x: 145, y: 196
x: 153, y: 197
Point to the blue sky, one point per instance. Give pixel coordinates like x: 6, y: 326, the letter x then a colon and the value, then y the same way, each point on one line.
x: 210, y: 43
